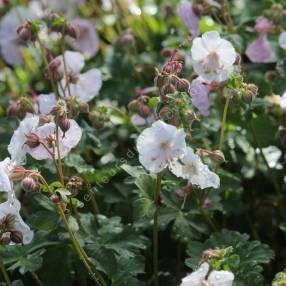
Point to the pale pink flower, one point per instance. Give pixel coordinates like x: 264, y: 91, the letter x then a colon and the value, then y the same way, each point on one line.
x: 88, y: 41
x: 189, y: 18
x: 199, y: 91
x: 46, y: 102
x: 260, y: 50
x: 263, y: 25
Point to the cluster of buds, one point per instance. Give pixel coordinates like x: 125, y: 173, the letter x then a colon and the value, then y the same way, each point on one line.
x: 28, y: 178
x: 99, y: 117
x: 7, y: 231
x: 141, y: 106
x: 75, y: 106
x: 250, y: 92
x: 60, y: 113
x: 20, y: 107
x: 74, y: 185
x: 29, y: 30
x: 277, y: 14
x: 60, y: 24
x: 212, y: 255
x: 168, y: 81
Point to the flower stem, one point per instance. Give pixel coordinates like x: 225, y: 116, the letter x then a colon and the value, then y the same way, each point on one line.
x: 4, y: 273
x: 36, y: 279
x: 43, y: 52
x: 155, y: 229
x: 223, y: 123
x: 227, y: 16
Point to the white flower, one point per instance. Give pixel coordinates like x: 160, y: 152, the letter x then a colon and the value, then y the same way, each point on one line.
x: 87, y: 85
x: 215, y: 278
x: 12, y: 207
x: 17, y: 147
x: 47, y: 136
x: 193, y: 169
x: 47, y: 133
x: 46, y: 102
x: 5, y: 184
x: 197, y: 277
x: 159, y: 145
x: 88, y: 41
x: 213, y: 57
x: 74, y: 63
x: 282, y: 40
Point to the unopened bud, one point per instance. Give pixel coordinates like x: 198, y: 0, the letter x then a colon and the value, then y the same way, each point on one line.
x: 74, y: 184
x: 168, y: 89
x: 24, y: 33
x: 64, y: 124
x: 217, y: 156
x: 29, y: 185
x: 17, y: 173
x: 45, y: 119
x: 32, y: 140
x: 144, y: 111
x: 183, y: 85
x: 127, y: 39
x: 16, y: 236
x: 55, y: 198
x: 250, y: 93
x: 165, y: 52
x: 134, y: 105
x: 54, y: 69
x: 73, y: 31
x: 198, y: 9
x: 159, y: 81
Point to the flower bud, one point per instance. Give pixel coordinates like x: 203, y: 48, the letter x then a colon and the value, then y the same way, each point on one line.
x: 44, y: 119
x: 134, y: 105
x: 168, y: 89
x: 250, y: 93
x: 29, y: 184
x: 55, y: 198
x: 17, y: 173
x: 74, y: 184
x: 198, y: 9
x: 32, y: 140
x: 159, y: 81
x: 165, y: 52
x: 144, y: 110
x: 127, y: 39
x: 183, y: 85
x: 54, y: 69
x: 64, y: 124
x: 24, y: 33
x: 12, y: 110
x: 16, y: 236
x: 7, y: 223
x: 217, y: 156
x: 73, y: 31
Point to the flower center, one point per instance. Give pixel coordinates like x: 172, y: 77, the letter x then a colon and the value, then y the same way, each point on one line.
x: 192, y: 169
x: 211, y: 63
x: 164, y: 145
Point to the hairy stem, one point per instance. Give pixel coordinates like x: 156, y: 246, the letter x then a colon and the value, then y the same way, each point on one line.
x: 223, y: 122
x: 155, y: 229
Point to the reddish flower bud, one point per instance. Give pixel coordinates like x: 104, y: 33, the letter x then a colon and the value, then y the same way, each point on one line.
x: 64, y: 124
x: 73, y: 31
x: 168, y: 89
x: 16, y: 236
x: 17, y: 173
x: 55, y: 198
x: 29, y: 184
x: 183, y: 85
x: 32, y: 140
x: 24, y: 33
x: 198, y: 9
x: 165, y: 52
x: 134, y: 105
x: 144, y: 110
